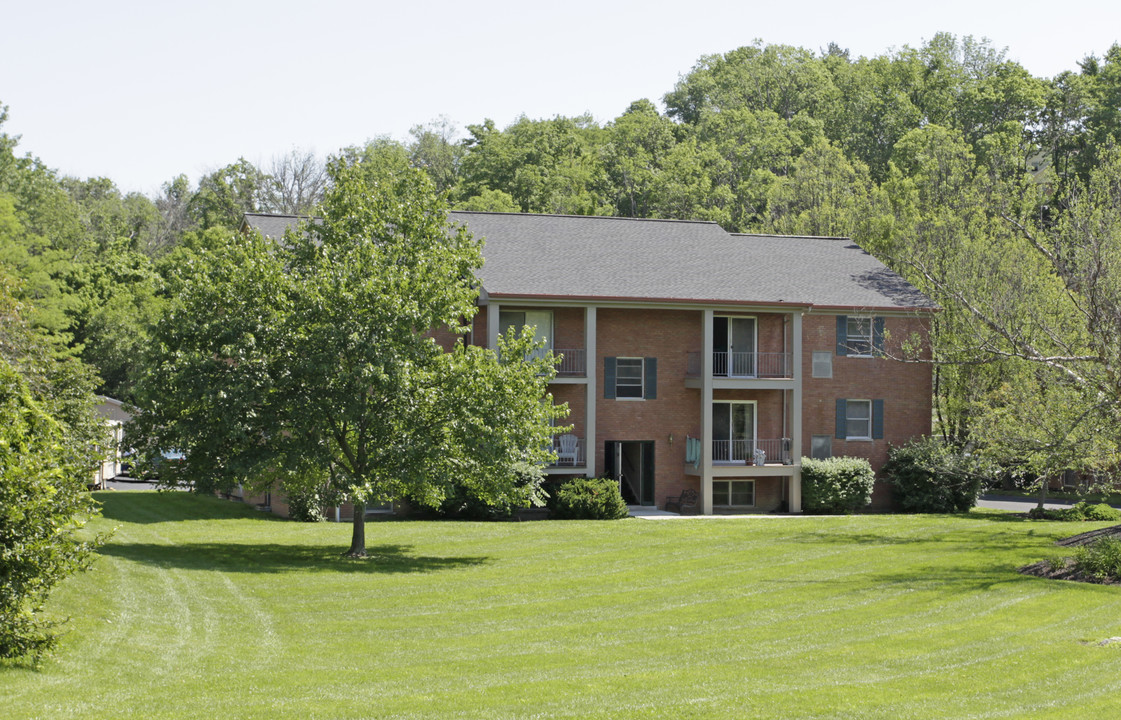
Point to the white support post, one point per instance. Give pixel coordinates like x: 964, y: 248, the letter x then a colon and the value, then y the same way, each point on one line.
x: 492, y: 325
x: 591, y: 367
x: 796, y: 416
x: 706, y: 414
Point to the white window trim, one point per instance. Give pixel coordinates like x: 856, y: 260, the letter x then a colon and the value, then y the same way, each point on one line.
x: 871, y: 335
x: 641, y: 376
x: 868, y: 437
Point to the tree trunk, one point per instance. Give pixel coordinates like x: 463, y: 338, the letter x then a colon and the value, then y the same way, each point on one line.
x: 358, y: 536
x: 1043, y: 483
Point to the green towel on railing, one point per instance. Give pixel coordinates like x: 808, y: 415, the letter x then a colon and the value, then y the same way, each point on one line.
x: 693, y: 451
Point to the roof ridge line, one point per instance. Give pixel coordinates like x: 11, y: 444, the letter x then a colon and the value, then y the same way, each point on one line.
x: 583, y: 217
x: 800, y: 237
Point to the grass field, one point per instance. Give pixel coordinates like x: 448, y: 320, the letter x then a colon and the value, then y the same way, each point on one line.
x: 200, y: 608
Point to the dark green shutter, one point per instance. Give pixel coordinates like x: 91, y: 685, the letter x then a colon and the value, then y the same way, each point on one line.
x: 609, y: 378
x: 650, y: 383
x: 877, y: 419
x: 842, y: 418
x: 842, y: 335
x: 878, y: 336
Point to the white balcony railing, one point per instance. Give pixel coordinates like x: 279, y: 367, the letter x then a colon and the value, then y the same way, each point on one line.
x: 775, y: 451
x: 569, y: 454
x: 742, y: 365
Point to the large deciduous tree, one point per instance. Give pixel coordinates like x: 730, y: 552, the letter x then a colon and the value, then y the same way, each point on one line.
x: 315, y: 351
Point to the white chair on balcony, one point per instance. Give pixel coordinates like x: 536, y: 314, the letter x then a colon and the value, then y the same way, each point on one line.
x: 568, y: 450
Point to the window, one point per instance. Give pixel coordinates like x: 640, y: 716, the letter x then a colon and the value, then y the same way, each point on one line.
x: 628, y: 377
x: 858, y: 420
x: 823, y: 365
x: 821, y: 447
x: 733, y: 493
x: 858, y: 332
x: 860, y: 336
x: 540, y: 320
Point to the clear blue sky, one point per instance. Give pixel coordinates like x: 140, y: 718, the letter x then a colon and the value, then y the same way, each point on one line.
x: 140, y: 91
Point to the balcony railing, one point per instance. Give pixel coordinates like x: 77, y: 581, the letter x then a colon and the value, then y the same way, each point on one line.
x: 572, y: 363
x: 774, y: 452
x: 742, y: 365
x: 570, y: 453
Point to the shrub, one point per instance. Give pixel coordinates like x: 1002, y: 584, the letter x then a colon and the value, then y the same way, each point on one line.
x: 1101, y: 512
x: 43, y: 505
x: 930, y: 476
x: 1100, y: 560
x: 836, y: 485
x: 1076, y: 513
x: 589, y: 499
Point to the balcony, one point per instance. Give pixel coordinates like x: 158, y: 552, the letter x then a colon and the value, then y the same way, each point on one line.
x: 572, y: 362
x: 570, y: 452
x: 747, y: 365
x: 746, y: 452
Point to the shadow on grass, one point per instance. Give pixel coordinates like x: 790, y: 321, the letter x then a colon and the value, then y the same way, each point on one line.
x: 281, y: 558
x: 152, y: 506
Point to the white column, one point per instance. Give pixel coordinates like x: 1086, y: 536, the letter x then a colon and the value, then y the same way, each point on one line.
x: 796, y: 416
x: 591, y: 366
x: 706, y: 414
x: 492, y: 325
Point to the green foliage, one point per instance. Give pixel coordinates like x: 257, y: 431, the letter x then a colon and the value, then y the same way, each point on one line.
x: 1079, y: 512
x: 931, y: 476
x: 589, y: 499
x: 48, y: 442
x: 1100, y: 560
x: 224, y: 195
x: 836, y: 485
x: 307, y: 488
x: 308, y: 351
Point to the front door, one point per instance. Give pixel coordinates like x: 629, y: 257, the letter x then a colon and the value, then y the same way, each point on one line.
x: 632, y: 464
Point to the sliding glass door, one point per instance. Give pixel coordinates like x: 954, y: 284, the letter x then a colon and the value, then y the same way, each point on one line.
x: 733, y: 431
x: 733, y: 346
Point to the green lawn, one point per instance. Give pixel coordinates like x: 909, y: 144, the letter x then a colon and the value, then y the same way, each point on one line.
x: 200, y: 608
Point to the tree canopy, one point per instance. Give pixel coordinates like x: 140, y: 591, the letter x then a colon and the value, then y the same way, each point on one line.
x: 316, y: 351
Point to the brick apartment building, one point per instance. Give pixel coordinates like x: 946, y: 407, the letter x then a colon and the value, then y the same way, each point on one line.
x: 692, y: 358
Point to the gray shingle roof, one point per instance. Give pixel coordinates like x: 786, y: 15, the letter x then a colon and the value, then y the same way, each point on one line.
x: 624, y: 258
x: 554, y: 256
x: 271, y: 226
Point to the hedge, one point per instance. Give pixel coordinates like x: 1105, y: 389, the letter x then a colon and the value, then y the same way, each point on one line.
x: 836, y: 485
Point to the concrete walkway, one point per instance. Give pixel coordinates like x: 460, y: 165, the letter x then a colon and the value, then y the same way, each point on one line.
x: 647, y: 512
x: 994, y: 501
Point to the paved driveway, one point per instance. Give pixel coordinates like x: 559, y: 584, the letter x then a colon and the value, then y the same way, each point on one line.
x: 125, y: 483
x: 1018, y: 504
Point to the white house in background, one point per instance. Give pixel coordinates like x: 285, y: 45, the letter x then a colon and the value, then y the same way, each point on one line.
x: 114, y: 417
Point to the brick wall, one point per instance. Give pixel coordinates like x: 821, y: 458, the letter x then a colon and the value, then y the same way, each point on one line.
x: 905, y: 389
x: 577, y: 400
x: 667, y: 335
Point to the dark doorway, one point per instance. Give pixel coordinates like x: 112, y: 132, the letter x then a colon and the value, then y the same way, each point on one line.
x: 632, y: 464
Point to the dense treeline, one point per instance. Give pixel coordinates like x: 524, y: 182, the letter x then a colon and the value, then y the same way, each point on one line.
x: 976, y: 180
